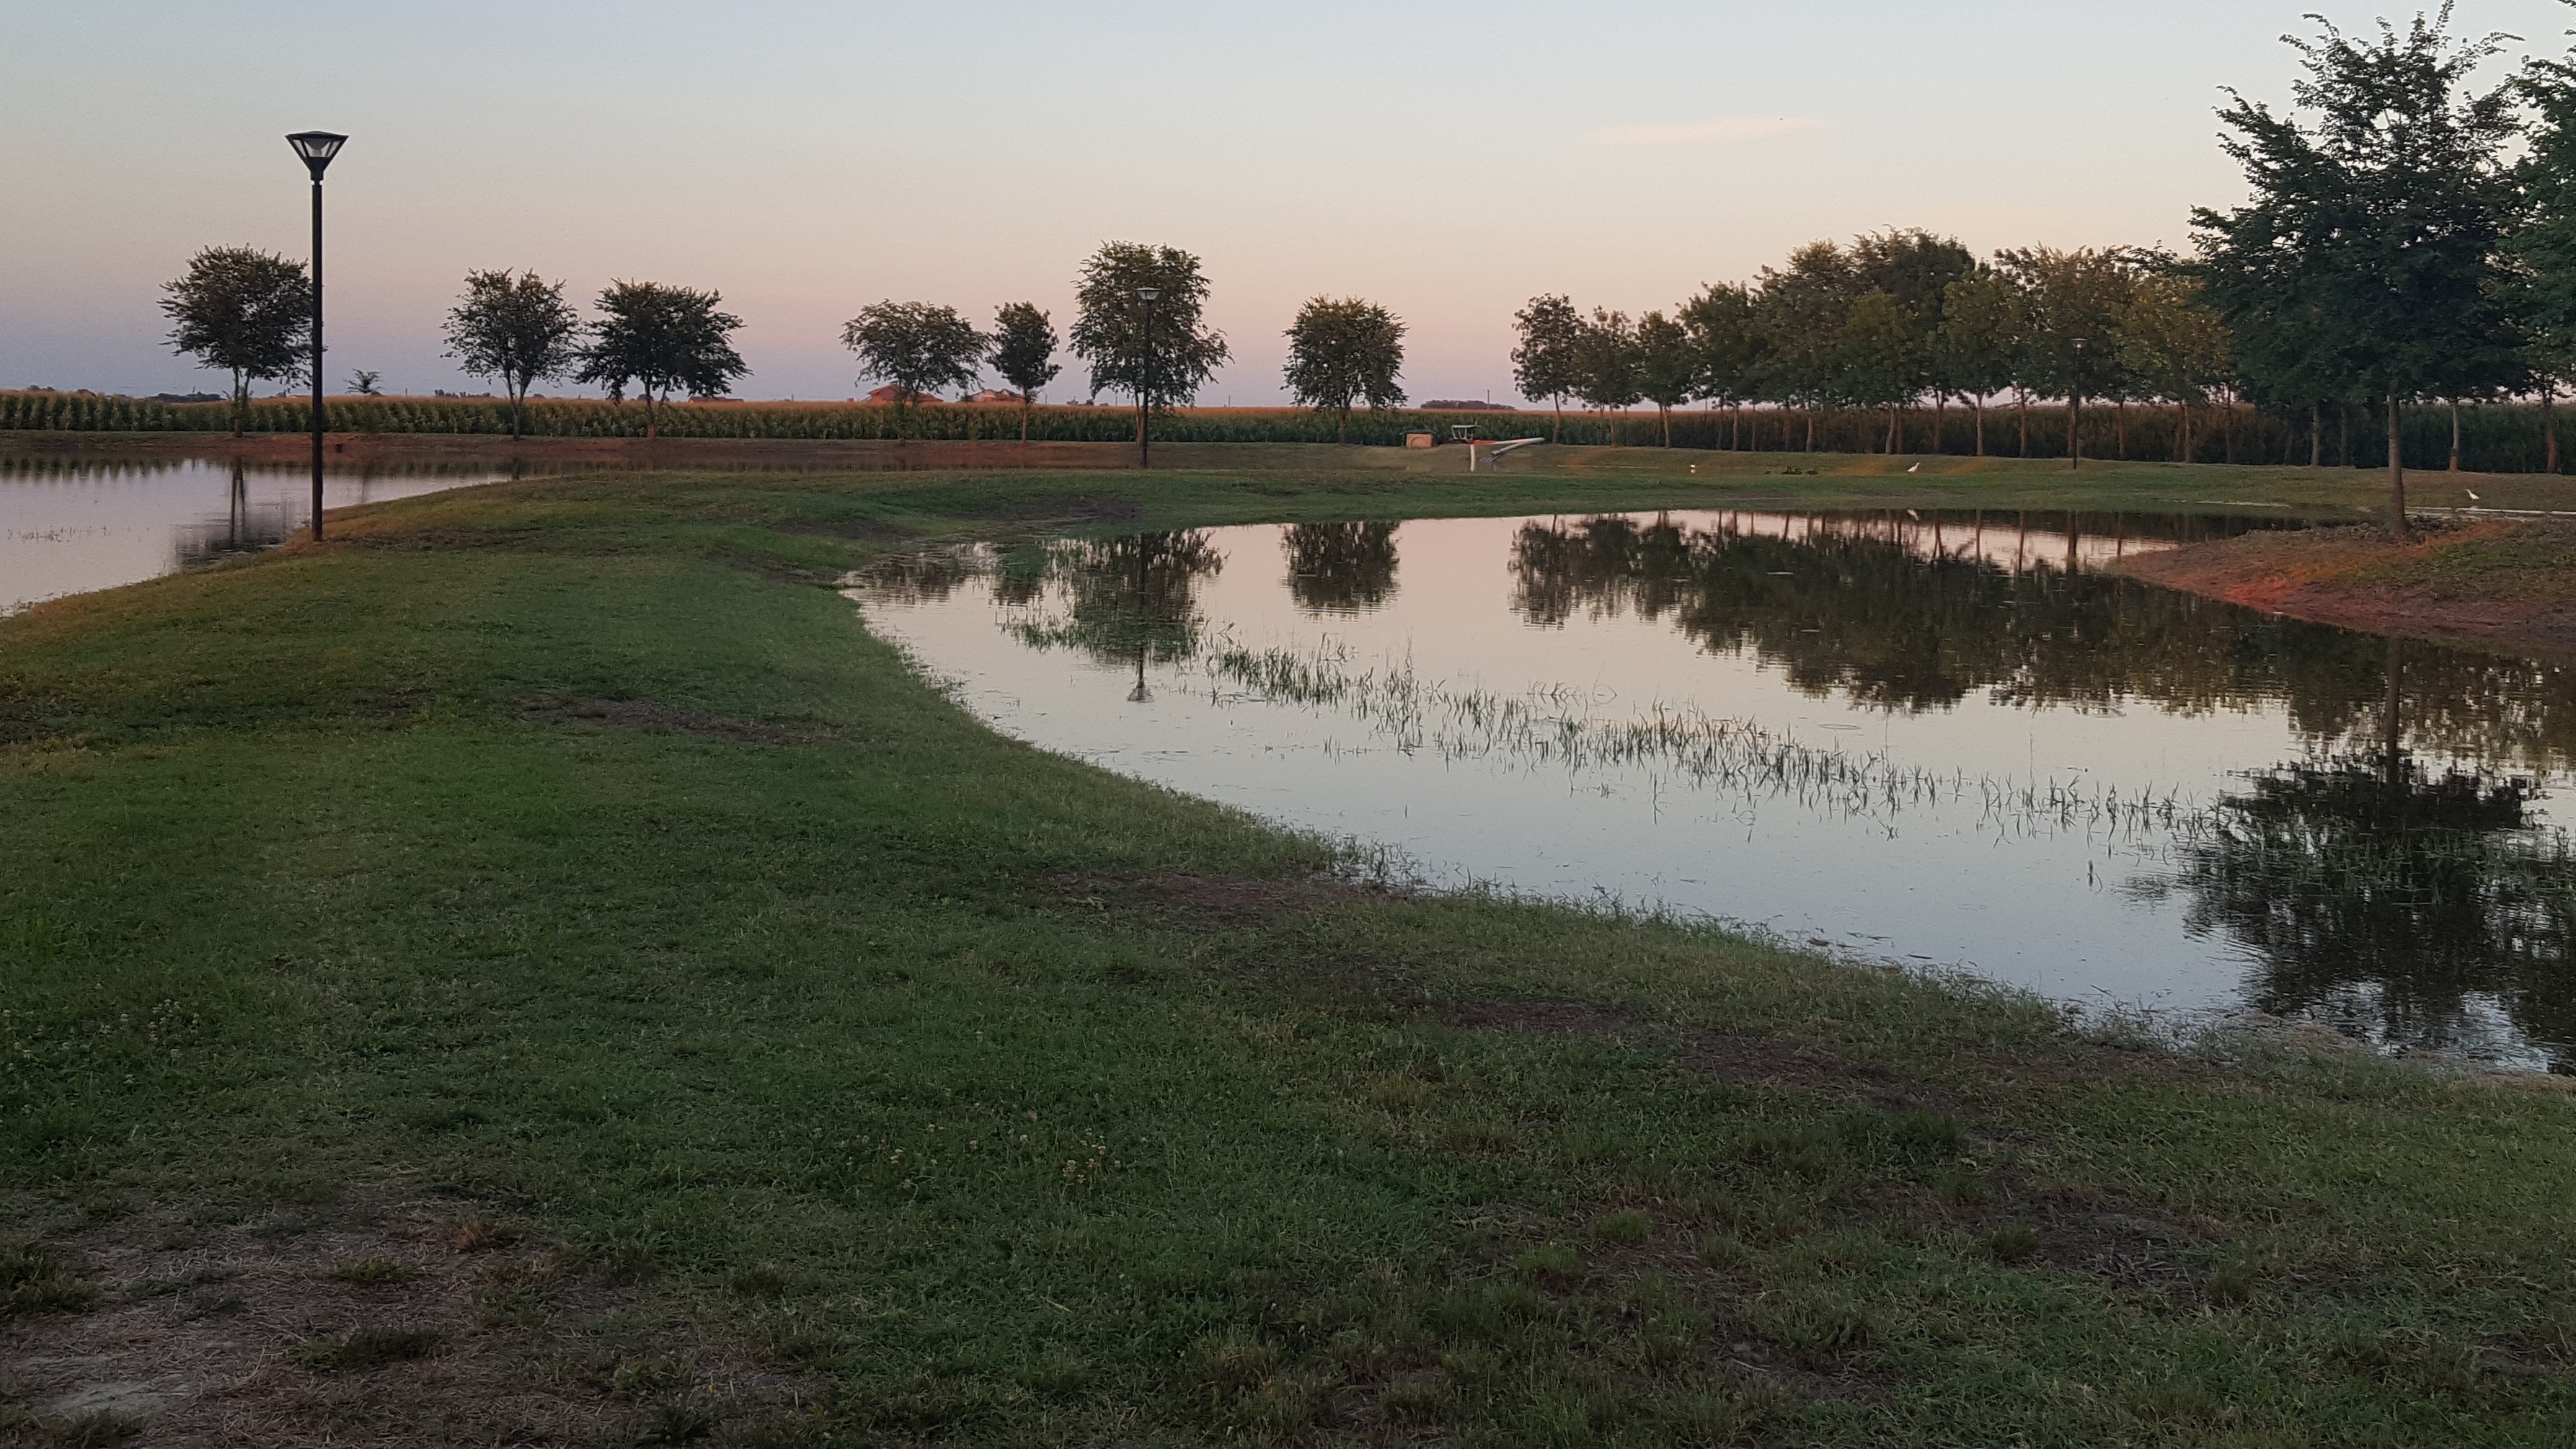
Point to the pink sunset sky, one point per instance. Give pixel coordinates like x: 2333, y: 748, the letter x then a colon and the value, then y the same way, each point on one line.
x: 1448, y: 160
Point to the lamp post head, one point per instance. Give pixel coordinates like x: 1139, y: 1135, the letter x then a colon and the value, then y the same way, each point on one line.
x: 317, y: 148
x: 2079, y: 346
x: 1149, y: 293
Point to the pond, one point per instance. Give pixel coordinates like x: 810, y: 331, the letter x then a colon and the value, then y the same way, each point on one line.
x: 1949, y: 741
x: 68, y: 525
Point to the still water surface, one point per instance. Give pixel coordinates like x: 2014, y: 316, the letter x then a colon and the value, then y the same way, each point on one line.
x: 68, y: 525
x: 1944, y: 740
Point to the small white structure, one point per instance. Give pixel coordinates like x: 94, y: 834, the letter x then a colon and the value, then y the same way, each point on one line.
x: 1496, y: 450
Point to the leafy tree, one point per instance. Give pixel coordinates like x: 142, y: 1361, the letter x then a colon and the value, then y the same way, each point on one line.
x: 517, y: 328
x: 363, y: 383
x: 1914, y: 268
x: 1543, y: 361
x: 1339, y: 351
x: 1979, y: 341
x: 1110, y: 334
x: 2072, y: 303
x: 1728, y: 338
x: 1803, y: 309
x: 920, y: 347
x: 1883, y: 357
x: 2375, y: 231
x: 660, y: 340
x: 1607, y: 374
x: 2175, y: 346
x: 1024, y: 354
x: 2545, y: 244
x: 1669, y: 366
x: 246, y: 312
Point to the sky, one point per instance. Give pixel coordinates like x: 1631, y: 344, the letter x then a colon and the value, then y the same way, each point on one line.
x: 806, y: 159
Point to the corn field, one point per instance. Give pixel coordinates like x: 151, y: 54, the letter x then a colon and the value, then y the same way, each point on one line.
x: 2499, y: 438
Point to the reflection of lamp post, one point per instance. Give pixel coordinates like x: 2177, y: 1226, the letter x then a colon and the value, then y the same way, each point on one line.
x: 1145, y: 390
x: 317, y: 148
x: 1144, y: 545
x: 2075, y: 412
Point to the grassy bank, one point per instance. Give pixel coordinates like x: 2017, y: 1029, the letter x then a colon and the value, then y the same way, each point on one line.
x: 576, y: 982
x: 2489, y: 581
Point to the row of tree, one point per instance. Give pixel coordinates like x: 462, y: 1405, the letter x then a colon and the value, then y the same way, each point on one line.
x: 1140, y: 326
x: 248, y: 312
x: 1891, y: 321
x: 2411, y: 238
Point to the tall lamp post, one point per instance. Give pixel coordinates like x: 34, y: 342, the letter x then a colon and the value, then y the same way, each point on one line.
x: 1145, y: 386
x: 317, y: 148
x: 2075, y: 412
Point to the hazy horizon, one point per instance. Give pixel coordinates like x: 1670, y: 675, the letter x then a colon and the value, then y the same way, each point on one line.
x: 806, y: 160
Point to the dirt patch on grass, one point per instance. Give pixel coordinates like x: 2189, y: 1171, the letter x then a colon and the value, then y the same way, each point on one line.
x: 1751, y: 1061
x: 1216, y: 899
x: 382, y: 1320
x: 655, y: 717
x: 25, y: 732
x: 1047, y: 508
x: 2491, y: 581
x: 854, y: 530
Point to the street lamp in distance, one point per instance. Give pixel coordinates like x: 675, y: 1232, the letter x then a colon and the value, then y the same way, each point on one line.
x: 1145, y: 390
x: 317, y: 148
x: 2075, y: 412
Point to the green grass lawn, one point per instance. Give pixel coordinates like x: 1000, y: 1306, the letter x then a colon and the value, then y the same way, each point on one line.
x: 568, y: 849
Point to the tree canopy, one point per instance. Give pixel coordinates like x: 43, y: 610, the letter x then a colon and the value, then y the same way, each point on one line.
x: 2369, y: 260
x: 1342, y: 351
x: 1111, y: 331
x: 242, y: 311
x: 659, y: 340
x: 517, y: 328
x: 1024, y: 343
x: 1544, y: 361
x: 920, y: 347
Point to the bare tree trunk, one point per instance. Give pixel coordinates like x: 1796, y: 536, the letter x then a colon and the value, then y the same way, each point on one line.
x: 1978, y: 402
x: 2549, y: 419
x: 2343, y: 440
x: 1940, y: 404
x: 2182, y: 430
x: 1811, y: 430
x: 1667, y: 410
x: 2316, y: 435
x: 1560, y: 417
x: 649, y: 433
x: 2022, y: 398
x: 2397, y: 478
x: 1891, y: 432
x: 2120, y: 428
x: 2455, y: 435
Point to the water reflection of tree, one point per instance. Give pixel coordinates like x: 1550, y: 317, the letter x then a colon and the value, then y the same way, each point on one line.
x: 1124, y: 600
x: 927, y: 577
x: 1839, y: 612
x: 2385, y: 898
x: 1340, y: 568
